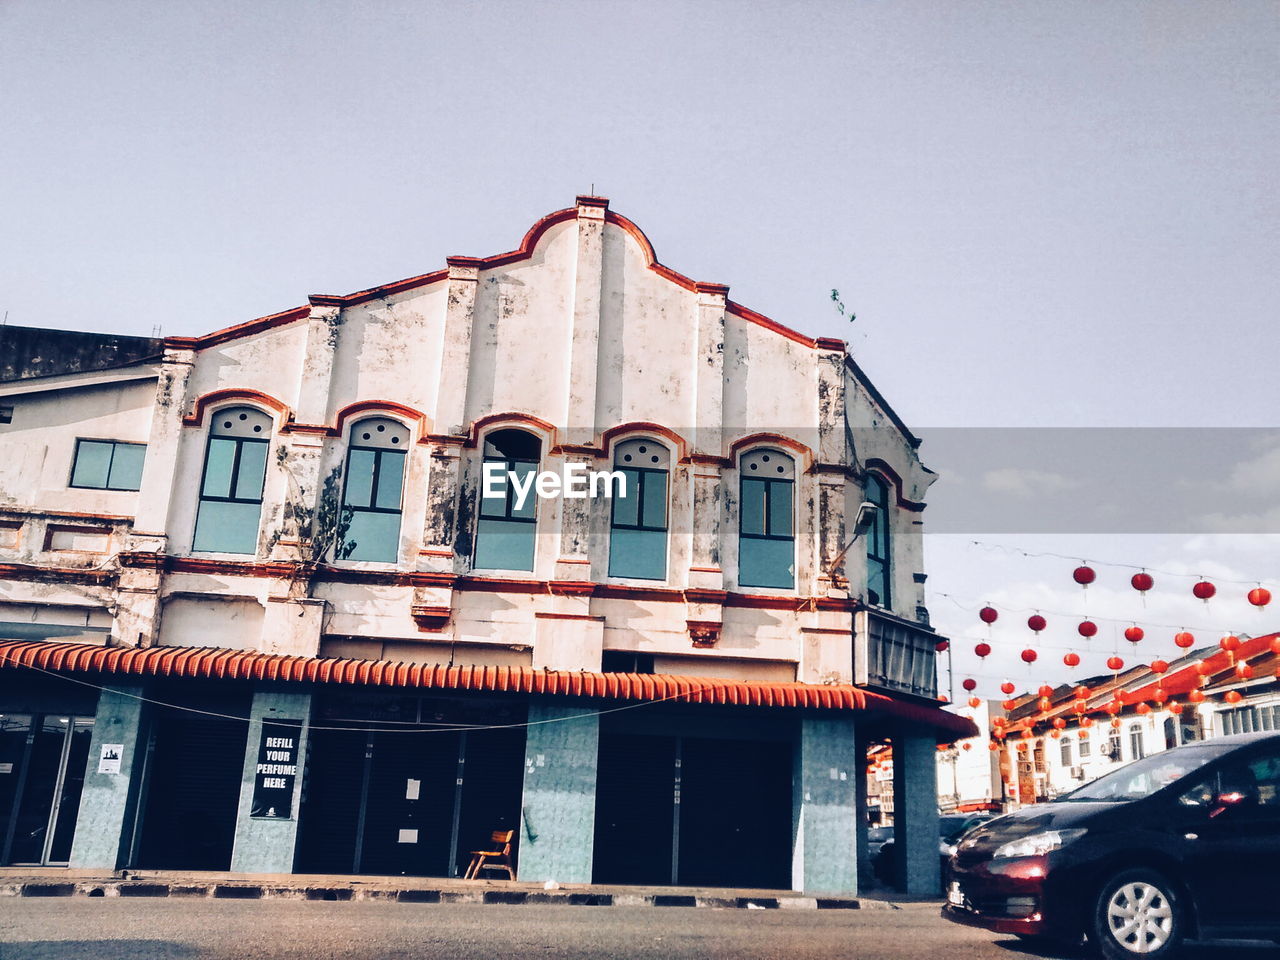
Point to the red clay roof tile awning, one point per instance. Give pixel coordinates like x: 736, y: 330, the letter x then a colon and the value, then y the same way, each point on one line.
x: 221, y: 663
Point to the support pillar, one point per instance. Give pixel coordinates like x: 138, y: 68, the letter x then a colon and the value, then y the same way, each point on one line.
x: 824, y: 858
x: 557, y: 826
x: 266, y: 844
x: 104, y: 824
x: 915, y: 811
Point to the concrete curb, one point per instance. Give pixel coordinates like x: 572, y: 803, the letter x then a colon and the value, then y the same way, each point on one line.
x: 231, y: 890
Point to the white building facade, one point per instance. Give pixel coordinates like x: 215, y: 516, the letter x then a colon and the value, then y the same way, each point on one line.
x: 275, y: 541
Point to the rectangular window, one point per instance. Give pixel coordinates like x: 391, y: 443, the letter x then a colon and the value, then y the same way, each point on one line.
x: 1066, y: 753
x: 1085, y: 749
x: 375, y: 480
x: 230, y: 508
x: 638, y: 534
x: 505, y: 532
x: 767, y: 549
x: 878, y: 546
x: 108, y: 465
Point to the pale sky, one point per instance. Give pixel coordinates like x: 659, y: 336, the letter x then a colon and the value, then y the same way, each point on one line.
x: 1043, y: 213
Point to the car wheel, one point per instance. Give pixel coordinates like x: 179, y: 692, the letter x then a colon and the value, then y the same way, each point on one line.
x: 1138, y: 914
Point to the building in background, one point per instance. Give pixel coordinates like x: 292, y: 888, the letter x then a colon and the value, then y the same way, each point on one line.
x: 1047, y: 752
x: 260, y: 612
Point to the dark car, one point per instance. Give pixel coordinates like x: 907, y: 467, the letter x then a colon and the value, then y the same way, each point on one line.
x: 951, y: 827
x: 1184, y: 843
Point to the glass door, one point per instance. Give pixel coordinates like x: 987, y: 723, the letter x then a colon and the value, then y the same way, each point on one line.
x: 42, y: 767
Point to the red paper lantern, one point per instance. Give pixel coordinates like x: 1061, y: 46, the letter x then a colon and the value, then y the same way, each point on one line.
x: 970, y: 684
x: 1060, y: 723
x: 988, y: 615
x: 1022, y: 748
x: 1230, y: 643
x: 1196, y: 696
x: 975, y: 702
x: 1259, y: 596
x: 1184, y: 639
x: 1115, y: 724
x: 1159, y: 666
x: 1144, y: 708
x: 1233, y: 696
x: 1084, y: 734
x: 1086, y: 722
x: 942, y: 646
x: 1071, y: 659
x: 1244, y: 671
x: 1203, y: 590
x: 1044, y: 703
x: 1134, y: 634
x: 1142, y: 582
x: 1055, y: 734
x: 1080, y: 706
x: 983, y: 650
x: 968, y: 746
x: 998, y: 722
x: 1203, y: 668
x: 1275, y: 644
x: 1084, y: 575
x: 1087, y: 629
x: 1045, y: 690
x: 1115, y: 663
x: 1174, y: 707
x: 1036, y: 622
x: 1009, y: 705
x: 1159, y: 695
x: 1029, y: 655
x: 993, y: 746
x: 1008, y: 687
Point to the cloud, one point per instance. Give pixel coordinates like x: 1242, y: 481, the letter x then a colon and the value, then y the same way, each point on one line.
x: 1025, y: 483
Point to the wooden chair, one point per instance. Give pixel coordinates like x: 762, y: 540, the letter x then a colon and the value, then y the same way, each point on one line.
x: 499, y: 858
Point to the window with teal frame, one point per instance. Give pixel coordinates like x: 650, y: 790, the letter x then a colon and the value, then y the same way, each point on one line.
x: 876, y: 490
x: 766, y: 520
x: 373, y: 490
x: 506, y: 529
x: 638, y: 525
x: 235, y: 468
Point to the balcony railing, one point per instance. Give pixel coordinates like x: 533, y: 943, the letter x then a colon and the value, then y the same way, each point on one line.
x: 894, y: 654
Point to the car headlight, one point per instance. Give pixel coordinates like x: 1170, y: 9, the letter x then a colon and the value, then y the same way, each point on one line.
x: 1037, y: 844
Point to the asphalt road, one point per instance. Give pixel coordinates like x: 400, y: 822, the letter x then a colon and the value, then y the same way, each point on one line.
x: 114, y: 929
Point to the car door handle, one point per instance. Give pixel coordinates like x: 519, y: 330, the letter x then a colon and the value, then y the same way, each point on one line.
x: 1191, y: 836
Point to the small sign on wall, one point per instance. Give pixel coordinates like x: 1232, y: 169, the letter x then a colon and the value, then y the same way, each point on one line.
x: 109, y: 757
x: 277, y: 770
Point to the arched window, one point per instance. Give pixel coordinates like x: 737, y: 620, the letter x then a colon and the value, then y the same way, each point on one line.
x: 878, y: 542
x: 235, y: 467
x: 505, y: 531
x: 766, y: 520
x: 1137, y: 745
x: 372, y: 492
x: 638, y: 529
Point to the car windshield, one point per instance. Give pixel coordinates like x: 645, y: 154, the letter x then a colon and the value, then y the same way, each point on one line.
x: 951, y: 828
x: 1144, y: 777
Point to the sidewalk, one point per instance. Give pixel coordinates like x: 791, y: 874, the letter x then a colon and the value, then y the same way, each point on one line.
x: 62, y: 882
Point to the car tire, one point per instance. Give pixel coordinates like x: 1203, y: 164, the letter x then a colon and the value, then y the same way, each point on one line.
x: 1138, y: 913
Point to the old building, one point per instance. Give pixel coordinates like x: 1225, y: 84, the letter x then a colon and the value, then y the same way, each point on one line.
x: 263, y: 614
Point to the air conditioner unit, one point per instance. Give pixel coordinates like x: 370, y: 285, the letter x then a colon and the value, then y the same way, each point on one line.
x: 1077, y: 773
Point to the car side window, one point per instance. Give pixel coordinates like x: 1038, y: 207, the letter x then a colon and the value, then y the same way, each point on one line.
x: 1266, y: 773
x: 1201, y: 794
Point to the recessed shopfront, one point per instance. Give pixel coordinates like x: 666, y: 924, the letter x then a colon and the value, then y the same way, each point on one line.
x: 408, y: 785
x: 702, y: 801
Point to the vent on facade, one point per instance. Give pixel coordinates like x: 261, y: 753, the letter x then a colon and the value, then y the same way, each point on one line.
x: 1077, y: 773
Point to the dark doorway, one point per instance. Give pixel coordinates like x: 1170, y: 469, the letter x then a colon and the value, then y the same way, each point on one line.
x: 693, y: 810
x: 735, y: 814
x: 42, y: 766
x: 191, y: 780
x: 635, y: 809
x: 408, y: 787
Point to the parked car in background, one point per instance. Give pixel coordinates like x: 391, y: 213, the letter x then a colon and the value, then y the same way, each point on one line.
x: 877, y: 837
x: 1184, y: 843
x: 951, y: 827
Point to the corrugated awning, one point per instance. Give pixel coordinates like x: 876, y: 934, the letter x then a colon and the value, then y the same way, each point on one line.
x: 221, y: 663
